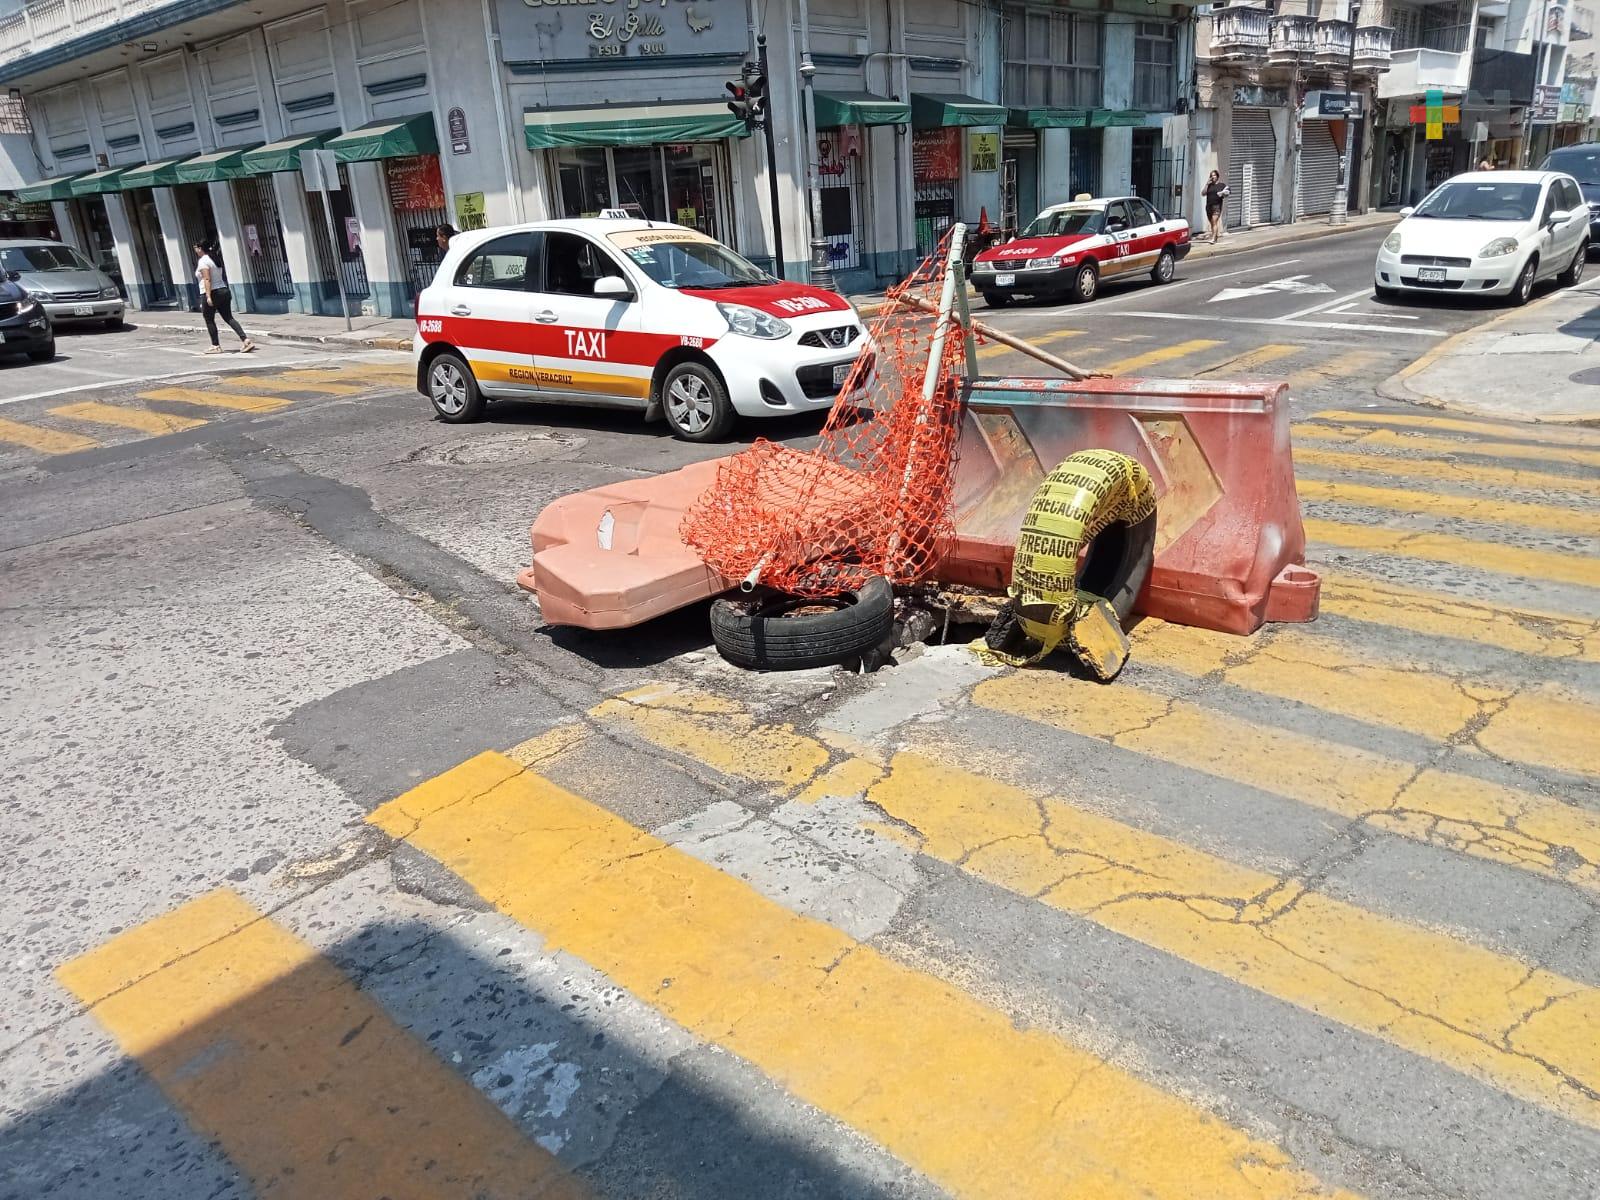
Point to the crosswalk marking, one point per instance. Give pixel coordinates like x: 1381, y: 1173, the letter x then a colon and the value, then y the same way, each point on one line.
x: 1465, y: 552
x: 46, y: 441
x: 1462, y: 474
x: 1394, y: 439
x: 216, y: 398
x: 1044, y: 339
x: 1151, y: 358
x: 1544, y: 434
x: 1252, y: 360
x: 308, y: 1085
x: 141, y: 419
x: 1345, y: 364
x: 279, y: 382
x: 1483, y: 509
x: 943, y: 1082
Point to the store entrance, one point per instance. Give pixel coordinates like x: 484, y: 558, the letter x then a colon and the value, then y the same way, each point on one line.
x: 149, y: 251
x: 685, y: 182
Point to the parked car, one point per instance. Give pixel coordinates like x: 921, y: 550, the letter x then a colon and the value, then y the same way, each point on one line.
x: 1487, y: 233
x: 625, y: 313
x: 1583, y: 164
x: 1070, y: 249
x: 70, y: 287
x: 25, y: 327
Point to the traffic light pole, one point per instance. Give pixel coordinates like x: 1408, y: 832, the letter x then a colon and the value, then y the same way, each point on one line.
x: 772, y: 162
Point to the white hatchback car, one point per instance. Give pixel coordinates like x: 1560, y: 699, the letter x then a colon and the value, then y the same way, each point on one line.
x: 1487, y: 233
x: 621, y: 312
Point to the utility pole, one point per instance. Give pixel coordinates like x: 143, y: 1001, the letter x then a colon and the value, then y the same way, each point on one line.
x: 772, y: 157
x: 1341, y: 197
x: 821, y: 269
x: 1538, y: 82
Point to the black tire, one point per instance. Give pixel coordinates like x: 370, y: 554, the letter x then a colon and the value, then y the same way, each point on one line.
x: 1523, y: 288
x: 1086, y: 283
x: 1166, y: 264
x: 1573, y: 275
x: 996, y: 299
x: 452, y: 389
x: 767, y: 639
x: 45, y: 352
x: 1379, y: 292
x: 112, y: 323
x: 1118, y: 562
x: 696, y: 403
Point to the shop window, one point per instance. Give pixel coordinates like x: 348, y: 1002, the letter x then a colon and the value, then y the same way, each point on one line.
x: 573, y: 263
x: 1052, y: 58
x: 501, y: 264
x: 1155, y: 65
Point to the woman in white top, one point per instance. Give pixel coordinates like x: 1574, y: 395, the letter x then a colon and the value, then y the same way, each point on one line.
x: 215, y: 299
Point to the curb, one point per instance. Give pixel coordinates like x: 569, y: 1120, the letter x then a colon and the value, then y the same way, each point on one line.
x: 304, y: 339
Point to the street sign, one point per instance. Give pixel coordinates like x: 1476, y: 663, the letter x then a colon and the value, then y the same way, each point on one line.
x: 1338, y: 104
x: 1546, y: 104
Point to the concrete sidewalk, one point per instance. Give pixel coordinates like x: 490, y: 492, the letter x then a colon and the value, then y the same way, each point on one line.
x: 1536, y: 363
x: 381, y: 333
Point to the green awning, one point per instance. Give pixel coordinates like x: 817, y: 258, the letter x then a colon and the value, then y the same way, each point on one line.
x: 59, y: 188
x: 99, y: 181
x: 284, y: 155
x: 859, y: 108
x: 156, y: 174
x: 939, y: 110
x: 387, y: 139
x: 209, y: 168
x: 1048, y: 118
x: 630, y: 124
x: 1103, y: 117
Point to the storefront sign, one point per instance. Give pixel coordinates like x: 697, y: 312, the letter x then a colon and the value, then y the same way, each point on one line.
x: 687, y: 216
x: 565, y: 30
x: 935, y: 155
x: 1546, y: 104
x: 352, y: 234
x: 1337, y: 105
x: 469, y: 211
x: 1251, y: 95
x: 984, y: 151
x: 414, y: 183
x: 457, y: 121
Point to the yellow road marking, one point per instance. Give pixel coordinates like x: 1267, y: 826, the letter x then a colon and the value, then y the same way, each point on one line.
x: 141, y: 419
x: 1545, y: 635
x: 210, y: 398
x: 1547, y: 434
x: 997, y: 348
x: 46, y: 441
x: 1485, y: 509
x: 1449, y: 472
x: 1346, y: 364
x: 1394, y: 439
x: 1151, y: 358
x: 307, y: 1084
x: 1253, y: 360
x: 1458, y: 812
x: 1463, y: 552
x: 946, y: 1084
x: 1478, y: 1012
x: 281, y: 381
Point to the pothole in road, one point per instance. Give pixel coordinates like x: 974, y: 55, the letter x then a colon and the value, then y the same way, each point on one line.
x: 501, y: 450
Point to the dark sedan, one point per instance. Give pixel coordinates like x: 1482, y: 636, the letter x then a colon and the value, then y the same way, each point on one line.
x: 1582, y: 162
x: 25, y: 327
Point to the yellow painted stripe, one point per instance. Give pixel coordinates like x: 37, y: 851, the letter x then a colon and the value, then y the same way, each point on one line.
x: 1484, y: 1014
x: 307, y: 1085
x: 213, y: 398
x: 46, y: 441
x: 1542, y: 634
x: 141, y: 419
x: 1459, y: 551
x: 1253, y: 360
x: 1557, y: 435
x: 1396, y: 440
x: 1045, y: 339
x: 949, y: 1086
x: 1395, y: 467
x: 1484, y: 509
x: 1151, y: 358
x: 1458, y: 812
x: 1346, y: 364
x: 280, y: 382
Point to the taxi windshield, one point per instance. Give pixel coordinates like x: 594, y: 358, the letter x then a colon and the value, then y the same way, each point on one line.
x: 695, y: 263
x: 1065, y: 222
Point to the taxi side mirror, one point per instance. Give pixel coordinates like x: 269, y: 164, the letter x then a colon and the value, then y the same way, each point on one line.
x: 613, y: 285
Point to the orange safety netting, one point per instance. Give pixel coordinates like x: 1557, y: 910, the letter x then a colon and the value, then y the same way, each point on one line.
x: 874, y: 498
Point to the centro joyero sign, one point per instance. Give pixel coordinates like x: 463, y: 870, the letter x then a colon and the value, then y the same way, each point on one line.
x: 548, y: 31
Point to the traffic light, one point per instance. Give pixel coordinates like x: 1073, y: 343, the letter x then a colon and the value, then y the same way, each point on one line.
x: 739, y: 101
x: 755, y: 89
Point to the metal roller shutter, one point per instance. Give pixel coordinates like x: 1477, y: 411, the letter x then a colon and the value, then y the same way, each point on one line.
x: 1319, y: 169
x: 1252, y: 155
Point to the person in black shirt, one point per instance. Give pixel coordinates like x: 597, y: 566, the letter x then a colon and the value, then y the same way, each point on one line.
x: 1215, y: 193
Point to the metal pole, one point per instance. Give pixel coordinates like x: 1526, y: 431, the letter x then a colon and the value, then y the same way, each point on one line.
x: 772, y: 161
x: 1538, y: 81
x: 821, y: 271
x: 333, y: 248
x: 1341, y: 197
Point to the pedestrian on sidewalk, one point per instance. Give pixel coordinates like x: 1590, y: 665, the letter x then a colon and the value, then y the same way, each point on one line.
x: 1215, y: 193
x: 216, y: 299
x: 442, y: 236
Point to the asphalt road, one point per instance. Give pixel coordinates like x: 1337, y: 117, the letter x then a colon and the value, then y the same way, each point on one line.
x: 333, y: 872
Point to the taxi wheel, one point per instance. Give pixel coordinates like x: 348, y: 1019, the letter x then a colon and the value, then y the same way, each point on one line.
x: 1086, y: 283
x: 453, y: 390
x: 696, y: 403
x: 1166, y: 264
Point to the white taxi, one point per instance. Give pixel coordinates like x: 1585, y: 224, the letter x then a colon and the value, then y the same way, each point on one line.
x: 626, y: 313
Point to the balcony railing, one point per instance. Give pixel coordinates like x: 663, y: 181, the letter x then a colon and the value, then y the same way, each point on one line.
x: 1240, y: 32
x: 48, y: 23
x: 1373, y: 44
x: 1332, y: 40
x: 1292, y: 39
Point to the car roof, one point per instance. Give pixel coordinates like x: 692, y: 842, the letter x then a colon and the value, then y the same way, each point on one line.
x: 1503, y: 176
x: 15, y: 243
x: 1094, y: 202
x: 591, y: 225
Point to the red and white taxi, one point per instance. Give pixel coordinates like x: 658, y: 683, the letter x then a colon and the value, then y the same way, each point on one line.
x: 1070, y: 249
x: 622, y: 312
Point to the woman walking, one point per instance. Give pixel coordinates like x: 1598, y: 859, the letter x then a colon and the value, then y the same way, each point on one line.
x: 215, y: 300
x: 1215, y: 193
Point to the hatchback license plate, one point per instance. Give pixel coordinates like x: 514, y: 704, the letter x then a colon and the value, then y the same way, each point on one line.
x: 1430, y: 274
x: 83, y: 310
x: 841, y: 372
x: 1004, y: 280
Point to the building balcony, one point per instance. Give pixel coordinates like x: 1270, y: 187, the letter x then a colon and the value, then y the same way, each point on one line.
x: 1373, y: 43
x: 1417, y: 69
x: 1331, y: 40
x: 1240, y: 33
x: 1293, y: 39
x: 67, y: 27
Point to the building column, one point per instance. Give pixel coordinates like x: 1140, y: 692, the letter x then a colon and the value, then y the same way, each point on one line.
x: 230, y: 244
x: 295, y: 214
x: 1055, y: 166
x: 179, y: 256
x: 67, y: 226
x: 127, y: 260
x: 1116, y: 142
x: 391, y: 295
x: 1116, y: 160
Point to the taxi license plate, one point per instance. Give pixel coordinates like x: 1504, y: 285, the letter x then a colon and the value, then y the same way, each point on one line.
x: 83, y: 310
x: 841, y: 372
x: 1005, y: 280
x: 1430, y: 274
